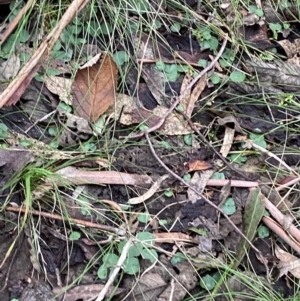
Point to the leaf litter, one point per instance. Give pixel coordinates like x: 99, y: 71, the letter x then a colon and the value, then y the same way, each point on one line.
x: 132, y: 178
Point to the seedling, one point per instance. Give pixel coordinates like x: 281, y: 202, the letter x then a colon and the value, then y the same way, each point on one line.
x: 229, y: 206
x: 131, y: 265
x: 205, y: 38
x: 258, y: 139
x: 237, y: 76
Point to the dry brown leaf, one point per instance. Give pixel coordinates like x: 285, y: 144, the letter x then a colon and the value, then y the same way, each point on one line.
x: 94, y: 88
x: 128, y: 112
x: 198, y: 165
x: 288, y: 263
x: 198, y: 181
x: 60, y: 86
x: 191, y: 97
x: 85, y: 292
x: 78, y: 177
x: 291, y: 48
x: 149, y: 193
x: 227, y: 141
x: 172, y: 237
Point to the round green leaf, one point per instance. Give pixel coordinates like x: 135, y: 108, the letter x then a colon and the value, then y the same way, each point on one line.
x: 218, y: 176
x: 146, y: 237
x: 160, y: 66
x: 74, y: 235
x: 53, y: 131
x: 237, y: 76
x: 168, y: 193
x: 263, y: 231
x: 258, y: 139
x: 144, y: 217
x: 178, y: 257
x: 110, y: 259
x: 150, y: 254
x: 202, y: 63
x: 157, y: 24
x: 102, y: 272
x: 131, y: 265
x: 133, y: 251
x: 215, y: 78
x: 187, y: 177
x: 188, y: 139
x: 275, y: 26
x: 54, y: 144
x: 229, y: 206
x: 207, y: 282
x: 120, y: 57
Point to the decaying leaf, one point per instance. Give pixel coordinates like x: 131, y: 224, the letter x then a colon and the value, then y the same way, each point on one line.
x: 277, y: 72
x: 79, y: 176
x: 94, y: 88
x: 288, y: 263
x: 191, y: 97
x: 149, y: 193
x: 290, y: 48
x: 10, y: 68
x: 85, y: 292
x: 128, y: 111
x: 198, y: 182
x: 227, y: 141
x: 254, y: 211
x: 75, y: 129
x: 198, y: 165
x: 60, y: 86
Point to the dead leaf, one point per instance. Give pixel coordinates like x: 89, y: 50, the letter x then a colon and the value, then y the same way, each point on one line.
x: 128, y: 111
x: 231, y: 119
x: 9, y: 68
x: 149, y: 193
x: 198, y: 165
x: 288, y: 263
x: 227, y: 141
x: 191, y: 97
x: 94, y: 88
x: 78, y: 177
x: 198, y: 182
x: 290, y: 48
x: 172, y: 237
x: 75, y: 129
x: 60, y: 86
x: 85, y: 292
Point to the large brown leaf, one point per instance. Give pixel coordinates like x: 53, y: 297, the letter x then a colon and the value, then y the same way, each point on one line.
x: 94, y: 88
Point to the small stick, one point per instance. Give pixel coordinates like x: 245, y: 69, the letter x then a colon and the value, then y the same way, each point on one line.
x: 270, y: 154
x: 76, y: 221
x: 180, y: 97
x: 198, y: 193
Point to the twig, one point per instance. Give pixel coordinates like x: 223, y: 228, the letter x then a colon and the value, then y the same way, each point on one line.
x: 114, y: 274
x: 270, y: 154
x: 198, y: 193
x: 233, y: 183
x: 119, y: 232
x: 180, y: 97
x: 271, y: 224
